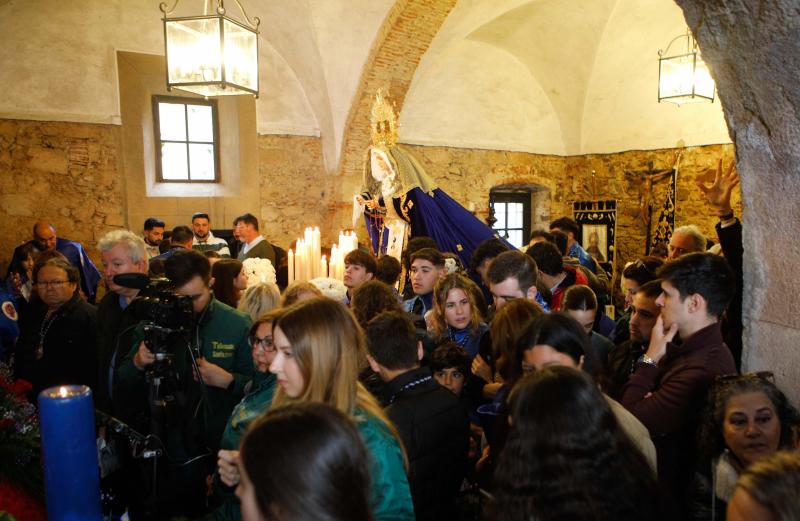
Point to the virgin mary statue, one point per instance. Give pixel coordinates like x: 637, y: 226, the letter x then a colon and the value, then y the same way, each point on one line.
x: 399, y: 201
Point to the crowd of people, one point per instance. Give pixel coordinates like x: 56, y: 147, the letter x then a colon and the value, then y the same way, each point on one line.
x: 429, y: 390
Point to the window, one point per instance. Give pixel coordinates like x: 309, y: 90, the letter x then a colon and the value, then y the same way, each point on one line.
x: 513, y: 214
x: 187, y: 139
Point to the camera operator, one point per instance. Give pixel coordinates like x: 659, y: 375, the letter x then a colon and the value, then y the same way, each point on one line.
x: 121, y: 252
x: 195, y: 414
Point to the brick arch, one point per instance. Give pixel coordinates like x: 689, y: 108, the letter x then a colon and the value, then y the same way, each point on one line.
x: 402, y: 40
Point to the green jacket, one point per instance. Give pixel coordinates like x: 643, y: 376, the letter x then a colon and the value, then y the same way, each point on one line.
x: 222, y: 338
x: 253, y: 405
x: 390, y: 495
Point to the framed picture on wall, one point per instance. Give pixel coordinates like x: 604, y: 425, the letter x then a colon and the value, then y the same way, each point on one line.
x: 598, y: 226
x: 595, y: 241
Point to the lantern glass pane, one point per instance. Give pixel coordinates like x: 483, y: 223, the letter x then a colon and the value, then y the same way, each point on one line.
x: 173, y: 162
x: 676, y: 76
x: 201, y: 123
x: 241, y: 56
x: 201, y: 159
x: 193, y: 50
x: 172, y: 121
x: 704, y: 84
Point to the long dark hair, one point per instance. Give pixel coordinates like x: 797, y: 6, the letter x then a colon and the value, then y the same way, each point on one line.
x: 225, y: 272
x: 566, y: 456
x: 562, y: 333
x: 306, y: 461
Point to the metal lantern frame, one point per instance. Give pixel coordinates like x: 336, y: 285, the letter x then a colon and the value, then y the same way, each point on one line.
x: 220, y: 18
x: 693, y: 53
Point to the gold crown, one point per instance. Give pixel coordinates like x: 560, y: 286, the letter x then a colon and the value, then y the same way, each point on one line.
x: 383, y: 120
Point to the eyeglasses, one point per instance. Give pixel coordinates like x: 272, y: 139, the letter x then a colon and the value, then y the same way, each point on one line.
x: 265, y: 344
x: 52, y: 283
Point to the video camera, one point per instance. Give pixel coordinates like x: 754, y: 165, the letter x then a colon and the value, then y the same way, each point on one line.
x: 168, y: 314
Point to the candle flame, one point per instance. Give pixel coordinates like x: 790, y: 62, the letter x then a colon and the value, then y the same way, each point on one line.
x: 63, y: 391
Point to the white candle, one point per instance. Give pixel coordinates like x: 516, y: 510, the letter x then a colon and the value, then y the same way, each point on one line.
x: 290, y: 266
x: 316, y: 250
x: 300, y: 272
x: 323, y: 267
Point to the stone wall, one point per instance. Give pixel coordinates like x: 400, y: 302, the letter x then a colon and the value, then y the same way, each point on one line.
x: 468, y: 175
x: 294, y: 189
x: 68, y: 173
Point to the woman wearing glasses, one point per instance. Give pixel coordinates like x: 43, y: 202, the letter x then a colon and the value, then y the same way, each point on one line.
x: 257, y: 400
x: 319, y: 346
x: 747, y: 419
x: 57, y: 343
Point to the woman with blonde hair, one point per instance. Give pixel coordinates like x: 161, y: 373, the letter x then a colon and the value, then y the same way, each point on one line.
x: 319, y: 346
x: 456, y: 316
x: 297, y: 291
x: 259, y: 299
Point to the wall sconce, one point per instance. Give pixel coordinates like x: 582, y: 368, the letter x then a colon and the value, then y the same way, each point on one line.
x: 684, y: 78
x: 211, y: 54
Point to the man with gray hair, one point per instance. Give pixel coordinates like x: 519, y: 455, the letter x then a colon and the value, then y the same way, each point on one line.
x: 686, y: 239
x: 121, y: 252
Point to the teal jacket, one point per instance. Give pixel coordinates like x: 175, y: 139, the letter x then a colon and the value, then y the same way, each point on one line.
x: 253, y: 405
x: 222, y: 337
x: 390, y: 495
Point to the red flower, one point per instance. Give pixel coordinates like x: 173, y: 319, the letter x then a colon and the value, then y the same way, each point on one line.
x: 19, y: 504
x: 21, y: 387
x: 5, y: 423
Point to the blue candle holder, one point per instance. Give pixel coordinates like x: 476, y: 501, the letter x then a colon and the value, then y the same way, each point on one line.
x: 69, y: 449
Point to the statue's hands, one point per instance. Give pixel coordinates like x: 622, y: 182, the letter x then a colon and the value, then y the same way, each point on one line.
x: 718, y: 194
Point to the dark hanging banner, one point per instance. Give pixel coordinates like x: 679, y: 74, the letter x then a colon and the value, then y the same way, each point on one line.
x: 662, y: 232
x: 597, y: 221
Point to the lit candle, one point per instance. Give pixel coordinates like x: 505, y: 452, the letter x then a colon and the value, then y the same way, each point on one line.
x: 290, y: 266
x: 334, y: 257
x: 69, y: 450
x: 323, y: 267
x: 300, y: 273
x: 316, y: 249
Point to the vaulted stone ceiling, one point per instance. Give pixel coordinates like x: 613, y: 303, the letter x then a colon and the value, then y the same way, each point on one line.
x: 553, y: 76
x: 549, y: 76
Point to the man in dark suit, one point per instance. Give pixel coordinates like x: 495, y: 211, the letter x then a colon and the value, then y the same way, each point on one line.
x: 254, y: 245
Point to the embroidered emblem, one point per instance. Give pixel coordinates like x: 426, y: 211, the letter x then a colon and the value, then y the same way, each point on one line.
x: 9, y: 311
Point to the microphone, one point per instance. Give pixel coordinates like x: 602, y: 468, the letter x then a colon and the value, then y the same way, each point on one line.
x: 132, y: 280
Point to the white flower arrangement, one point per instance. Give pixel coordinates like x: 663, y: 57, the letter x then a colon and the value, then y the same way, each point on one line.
x: 258, y: 271
x: 331, y: 288
x: 450, y: 265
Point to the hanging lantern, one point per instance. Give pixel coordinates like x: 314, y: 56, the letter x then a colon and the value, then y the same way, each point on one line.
x: 684, y: 78
x: 211, y: 54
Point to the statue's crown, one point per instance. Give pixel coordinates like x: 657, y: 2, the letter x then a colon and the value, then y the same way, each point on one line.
x: 383, y: 120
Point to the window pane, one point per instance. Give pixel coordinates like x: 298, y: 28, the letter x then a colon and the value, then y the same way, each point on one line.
x: 172, y: 120
x: 515, y: 238
x: 500, y: 215
x: 173, y: 161
x: 201, y: 125
x: 202, y: 162
x: 515, y: 215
